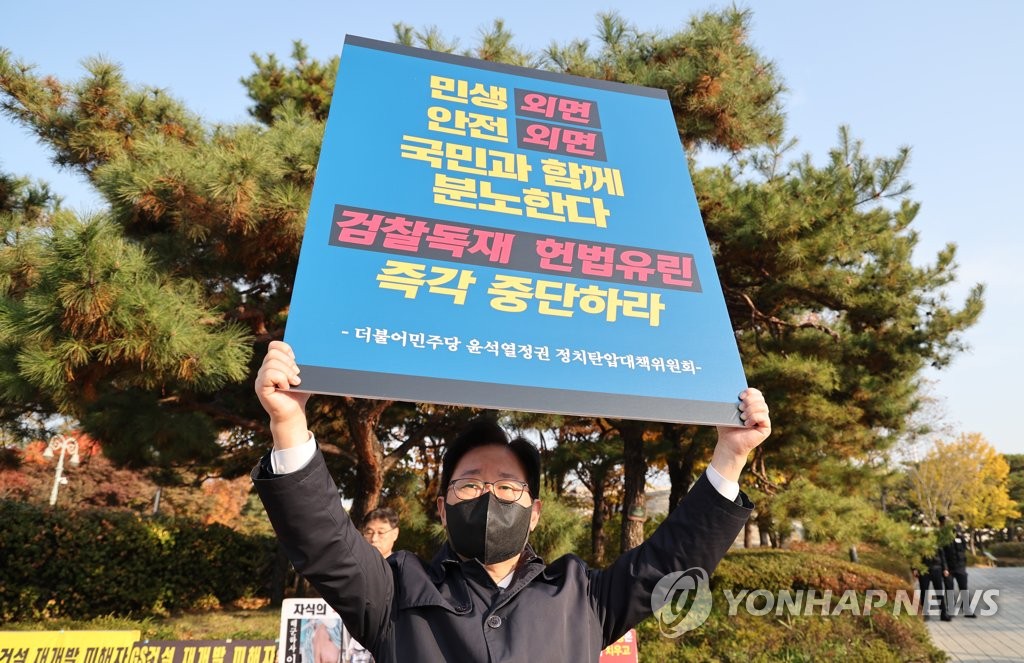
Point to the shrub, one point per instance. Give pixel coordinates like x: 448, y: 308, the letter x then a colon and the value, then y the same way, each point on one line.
x: 1007, y: 549
x: 846, y: 519
x: 1008, y: 553
x: 878, y: 637
x: 89, y: 563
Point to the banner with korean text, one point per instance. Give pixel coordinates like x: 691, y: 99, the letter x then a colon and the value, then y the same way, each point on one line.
x: 622, y: 650
x: 127, y: 647
x: 312, y: 632
x: 67, y: 646
x: 488, y: 235
x: 199, y: 651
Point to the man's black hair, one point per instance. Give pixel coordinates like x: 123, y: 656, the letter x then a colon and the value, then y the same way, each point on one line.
x: 383, y: 513
x: 483, y: 432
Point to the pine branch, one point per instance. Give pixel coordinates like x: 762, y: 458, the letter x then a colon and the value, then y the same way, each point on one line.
x: 760, y: 473
x: 220, y: 414
x: 756, y: 314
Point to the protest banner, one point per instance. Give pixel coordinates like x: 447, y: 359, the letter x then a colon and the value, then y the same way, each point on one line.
x: 67, y: 646
x: 622, y: 650
x: 127, y: 647
x: 200, y: 651
x: 497, y: 236
x: 312, y: 632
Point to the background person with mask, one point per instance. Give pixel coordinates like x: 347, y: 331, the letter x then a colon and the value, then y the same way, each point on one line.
x: 486, y: 596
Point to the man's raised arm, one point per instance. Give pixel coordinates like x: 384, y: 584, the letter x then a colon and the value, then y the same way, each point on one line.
x: 305, y: 509
x: 696, y: 535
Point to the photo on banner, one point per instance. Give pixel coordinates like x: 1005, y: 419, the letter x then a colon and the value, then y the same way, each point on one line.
x: 312, y: 632
x: 497, y: 236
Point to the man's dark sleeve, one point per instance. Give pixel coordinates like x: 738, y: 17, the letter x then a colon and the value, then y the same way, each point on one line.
x: 326, y: 548
x: 696, y: 534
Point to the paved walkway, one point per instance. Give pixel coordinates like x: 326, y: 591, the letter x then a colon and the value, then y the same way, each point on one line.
x: 994, y: 637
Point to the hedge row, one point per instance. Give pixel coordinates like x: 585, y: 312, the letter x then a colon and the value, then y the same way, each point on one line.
x: 83, y: 564
x: 1007, y: 553
x: 881, y: 636
x: 1014, y: 549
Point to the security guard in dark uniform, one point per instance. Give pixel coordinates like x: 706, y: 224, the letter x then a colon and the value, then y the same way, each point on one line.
x: 931, y: 572
x: 955, y: 553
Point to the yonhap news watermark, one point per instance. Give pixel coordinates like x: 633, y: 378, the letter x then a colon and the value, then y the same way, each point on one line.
x: 682, y: 601
x: 826, y: 603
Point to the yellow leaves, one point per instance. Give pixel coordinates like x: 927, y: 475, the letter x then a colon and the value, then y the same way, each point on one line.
x: 965, y: 478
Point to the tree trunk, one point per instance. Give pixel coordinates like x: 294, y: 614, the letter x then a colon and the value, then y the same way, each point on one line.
x: 634, y: 496
x: 597, y: 528
x: 748, y: 534
x: 597, y: 486
x: 764, y: 526
x: 680, y: 469
x: 362, y: 416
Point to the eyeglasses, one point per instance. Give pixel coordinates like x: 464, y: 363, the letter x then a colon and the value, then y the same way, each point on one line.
x: 506, y: 490
x: 370, y: 533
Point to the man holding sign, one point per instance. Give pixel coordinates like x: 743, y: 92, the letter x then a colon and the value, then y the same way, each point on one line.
x: 501, y: 237
x: 486, y: 596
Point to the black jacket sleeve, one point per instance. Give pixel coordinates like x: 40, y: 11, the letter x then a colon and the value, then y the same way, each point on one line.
x: 324, y: 546
x: 696, y: 534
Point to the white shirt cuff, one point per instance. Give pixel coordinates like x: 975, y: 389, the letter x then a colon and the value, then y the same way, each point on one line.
x: 283, y: 461
x: 730, y: 490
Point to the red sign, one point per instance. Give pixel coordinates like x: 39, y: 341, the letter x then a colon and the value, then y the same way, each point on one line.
x: 622, y: 650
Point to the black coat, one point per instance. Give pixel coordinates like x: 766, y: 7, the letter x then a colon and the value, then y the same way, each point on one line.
x: 935, y: 563
x: 955, y: 553
x: 405, y: 609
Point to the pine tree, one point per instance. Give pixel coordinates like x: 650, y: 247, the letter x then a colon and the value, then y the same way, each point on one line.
x: 86, y: 319
x: 834, y: 321
x: 139, y: 321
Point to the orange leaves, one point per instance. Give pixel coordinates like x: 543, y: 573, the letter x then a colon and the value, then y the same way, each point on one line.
x: 228, y: 499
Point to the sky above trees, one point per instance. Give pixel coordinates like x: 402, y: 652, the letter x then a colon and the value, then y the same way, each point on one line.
x: 941, y: 79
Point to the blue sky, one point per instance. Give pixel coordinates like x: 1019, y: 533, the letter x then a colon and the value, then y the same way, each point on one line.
x: 943, y: 77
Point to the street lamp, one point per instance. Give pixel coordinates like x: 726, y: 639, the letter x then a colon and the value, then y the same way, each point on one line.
x: 64, y: 444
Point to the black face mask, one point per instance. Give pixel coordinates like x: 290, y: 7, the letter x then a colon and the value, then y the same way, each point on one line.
x: 487, y: 529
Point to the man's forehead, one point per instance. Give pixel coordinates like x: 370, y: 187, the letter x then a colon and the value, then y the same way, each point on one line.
x: 378, y: 522
x: 490, y: 459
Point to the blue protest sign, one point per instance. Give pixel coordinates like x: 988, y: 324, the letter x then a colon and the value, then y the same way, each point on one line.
x: 489, y: 235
